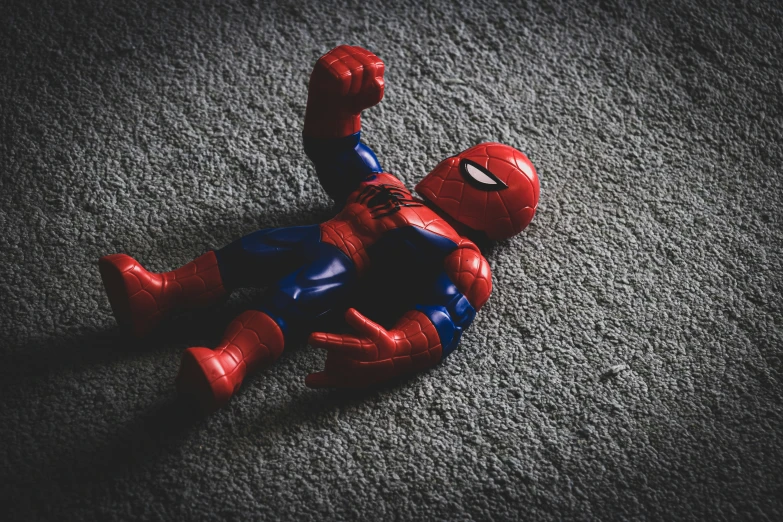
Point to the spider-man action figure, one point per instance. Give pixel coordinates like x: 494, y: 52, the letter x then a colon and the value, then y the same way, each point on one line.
x: 383, y: 231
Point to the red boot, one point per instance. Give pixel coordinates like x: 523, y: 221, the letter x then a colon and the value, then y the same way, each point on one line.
x: 212, y: 376
x: 141, y: 299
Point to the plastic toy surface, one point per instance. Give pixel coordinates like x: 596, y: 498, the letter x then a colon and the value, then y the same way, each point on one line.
x: 386, y: 247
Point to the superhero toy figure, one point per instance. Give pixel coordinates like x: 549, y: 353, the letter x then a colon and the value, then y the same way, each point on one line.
x: 383, y: 233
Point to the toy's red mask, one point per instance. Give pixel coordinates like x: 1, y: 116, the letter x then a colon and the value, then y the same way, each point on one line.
x: 491, y: 187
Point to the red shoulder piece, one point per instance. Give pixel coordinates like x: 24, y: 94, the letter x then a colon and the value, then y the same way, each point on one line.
x: 470, y: 272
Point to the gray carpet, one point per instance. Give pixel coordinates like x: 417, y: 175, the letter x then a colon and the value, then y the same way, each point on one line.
x: 628, y: 364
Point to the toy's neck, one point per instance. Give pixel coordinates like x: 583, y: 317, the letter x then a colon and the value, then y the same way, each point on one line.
x: 476, y: 236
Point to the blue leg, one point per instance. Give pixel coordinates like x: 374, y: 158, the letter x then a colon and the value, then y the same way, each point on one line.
x: 311, y: 291
x: 265, y: 255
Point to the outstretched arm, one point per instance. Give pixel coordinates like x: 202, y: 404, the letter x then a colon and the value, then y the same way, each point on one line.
x: 344, y: 82
x: 421, y: 339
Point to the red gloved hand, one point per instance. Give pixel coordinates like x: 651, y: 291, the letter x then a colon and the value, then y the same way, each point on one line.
x: 377, y: 354
x: 344, y: 82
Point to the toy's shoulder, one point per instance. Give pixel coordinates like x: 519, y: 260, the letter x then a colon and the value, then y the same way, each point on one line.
x: 384, y: 178
x: 420, y: 216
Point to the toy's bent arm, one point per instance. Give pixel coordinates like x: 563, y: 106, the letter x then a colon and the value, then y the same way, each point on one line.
x: 341, y: 163
x: 458, y: 293
x: 419, y: 340
x: 344, y: 82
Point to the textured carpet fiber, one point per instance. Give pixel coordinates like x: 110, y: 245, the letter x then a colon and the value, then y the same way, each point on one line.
x: 628, y: 364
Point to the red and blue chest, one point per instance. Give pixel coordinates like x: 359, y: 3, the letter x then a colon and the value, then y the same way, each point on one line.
x: 382, y: 219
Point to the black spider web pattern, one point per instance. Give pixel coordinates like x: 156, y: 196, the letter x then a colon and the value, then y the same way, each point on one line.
x: 384, y: 200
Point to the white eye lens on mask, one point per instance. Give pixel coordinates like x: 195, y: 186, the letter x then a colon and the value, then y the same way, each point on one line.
x: 480, y: 177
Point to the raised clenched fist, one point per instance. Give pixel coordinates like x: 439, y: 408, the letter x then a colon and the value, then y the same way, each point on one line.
x: 344, y: 82
x: 349, y: 76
